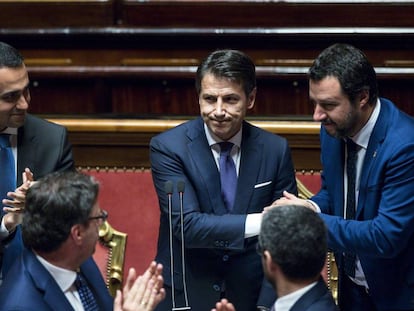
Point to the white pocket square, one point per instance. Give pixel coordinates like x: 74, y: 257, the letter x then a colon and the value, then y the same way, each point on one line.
x: 263, y: 184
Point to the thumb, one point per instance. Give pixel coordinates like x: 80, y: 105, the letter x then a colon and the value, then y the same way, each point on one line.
x: 289, y: 195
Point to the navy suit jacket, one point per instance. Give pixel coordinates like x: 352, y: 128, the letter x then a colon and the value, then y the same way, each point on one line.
x: 383, y: 233
x: 216, y: 249
x: 29, y: 286
x: 318, y: 298
x: 43, y: 147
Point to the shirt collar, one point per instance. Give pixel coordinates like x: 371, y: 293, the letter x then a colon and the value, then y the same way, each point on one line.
x: 213, y: 139
x: 362, y: 137
x: 9, y: 130
x: 63, y: 277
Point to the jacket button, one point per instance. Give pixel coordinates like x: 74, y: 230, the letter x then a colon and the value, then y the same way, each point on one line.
x: 216, y: 287
x: 225, y: 257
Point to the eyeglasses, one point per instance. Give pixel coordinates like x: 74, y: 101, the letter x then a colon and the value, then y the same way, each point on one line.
x: 103, y: 216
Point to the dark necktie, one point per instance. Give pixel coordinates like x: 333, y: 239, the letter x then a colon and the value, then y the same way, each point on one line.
x: 7, y: 170
x: 228, y: 175
x: 349, y: 258
x: 85, y: 294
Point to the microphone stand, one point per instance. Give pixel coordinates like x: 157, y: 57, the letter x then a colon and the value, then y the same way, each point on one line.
x: 180, y: 188
x: 169, y: 190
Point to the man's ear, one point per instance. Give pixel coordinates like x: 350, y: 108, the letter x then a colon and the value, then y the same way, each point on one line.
x: 268, y: 262
x: 76, y: 233
x: 251, y: 99
x: 363, y: 98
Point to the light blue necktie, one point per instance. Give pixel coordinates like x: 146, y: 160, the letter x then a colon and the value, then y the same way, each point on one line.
x: 228, y: 175
x: 7, y: 170
x: 85, y: 294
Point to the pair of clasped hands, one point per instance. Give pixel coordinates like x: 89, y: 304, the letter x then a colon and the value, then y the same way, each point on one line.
x: 16, y: 201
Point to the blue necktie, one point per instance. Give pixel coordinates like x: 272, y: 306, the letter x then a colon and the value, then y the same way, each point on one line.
x: 7, y: 170
x: 228, y: 175
x: 85, y: 294
x: 349, y: 257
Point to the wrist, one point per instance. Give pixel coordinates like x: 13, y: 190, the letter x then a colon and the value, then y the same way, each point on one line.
x: 9, y: 222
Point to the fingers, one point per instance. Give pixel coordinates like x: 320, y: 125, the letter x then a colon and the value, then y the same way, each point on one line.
x: 118, y: 301
x: 224, y: 305
x: 145, y: 292
x: 27, y: 175
x: 132, y: 276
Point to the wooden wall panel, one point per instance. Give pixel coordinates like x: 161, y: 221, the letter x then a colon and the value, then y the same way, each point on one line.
x: 63, y: 13
x: 265, y: 14
x: 124, y: 143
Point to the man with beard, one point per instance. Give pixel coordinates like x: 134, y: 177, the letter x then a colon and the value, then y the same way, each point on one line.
x: 226, y: 190
x: 292, y: 245
x: 367, y: 193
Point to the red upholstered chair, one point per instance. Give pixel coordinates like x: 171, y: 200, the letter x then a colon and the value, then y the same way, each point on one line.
x: 309, y: 183
x: 130, y: 199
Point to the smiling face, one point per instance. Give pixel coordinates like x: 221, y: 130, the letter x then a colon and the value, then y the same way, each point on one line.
x: 333, y: 109
x: 14, y: 96
x: 223, y: 105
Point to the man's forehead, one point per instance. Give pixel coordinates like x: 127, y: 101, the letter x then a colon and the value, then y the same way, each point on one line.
x: 12, y: 79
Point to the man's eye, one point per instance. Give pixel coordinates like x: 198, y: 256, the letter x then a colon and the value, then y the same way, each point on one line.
x: 11, y: 97
x: 232, y: 100
x: 210, y: 99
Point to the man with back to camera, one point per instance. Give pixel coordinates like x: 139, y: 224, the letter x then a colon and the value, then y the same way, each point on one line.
x: 226, y: 188
x: 367, y: 194
x: 293, y: 247
x: 25, y: 142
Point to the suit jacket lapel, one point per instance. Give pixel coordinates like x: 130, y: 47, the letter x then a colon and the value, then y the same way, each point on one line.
x: 377, y: 137
x: 53, y: 295
x: 335, y: 149
x: 26, y: 150
x: 250, y: 162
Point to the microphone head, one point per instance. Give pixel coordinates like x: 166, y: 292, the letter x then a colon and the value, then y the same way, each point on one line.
x: 168, y: 187
x: 180, y: 186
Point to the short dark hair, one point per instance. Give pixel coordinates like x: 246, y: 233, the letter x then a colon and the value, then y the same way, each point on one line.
x: 296, y: 238
x: 230, y: 64
x: 350, y: 66
x: 10, y: 57
x: 53, y: 205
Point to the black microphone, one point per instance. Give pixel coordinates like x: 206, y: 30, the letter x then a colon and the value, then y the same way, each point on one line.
x: 180, y: 189
x: 168, y: 187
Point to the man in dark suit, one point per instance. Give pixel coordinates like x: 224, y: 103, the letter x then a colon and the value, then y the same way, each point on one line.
x: 373, y: 247
x: 219, y: 229
x: 36, y: 144
x: 60, y: 230
x: 293, y: 247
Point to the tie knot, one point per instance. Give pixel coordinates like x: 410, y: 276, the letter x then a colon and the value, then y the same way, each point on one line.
x: 4, y: 140
x: 79, y: 282
x: 225, y: 147
x: 351, y: 146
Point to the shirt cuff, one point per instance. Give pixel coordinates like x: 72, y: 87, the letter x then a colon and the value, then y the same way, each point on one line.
x: 4, y: 233
x: 252, y: 225
x: 316, y: 206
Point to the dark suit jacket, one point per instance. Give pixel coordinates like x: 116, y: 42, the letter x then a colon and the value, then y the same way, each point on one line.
x: 29, y: 286
x: 383, y: 233
x: 318, y: 298
x: 43, y: 147
x: 216, y: 249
